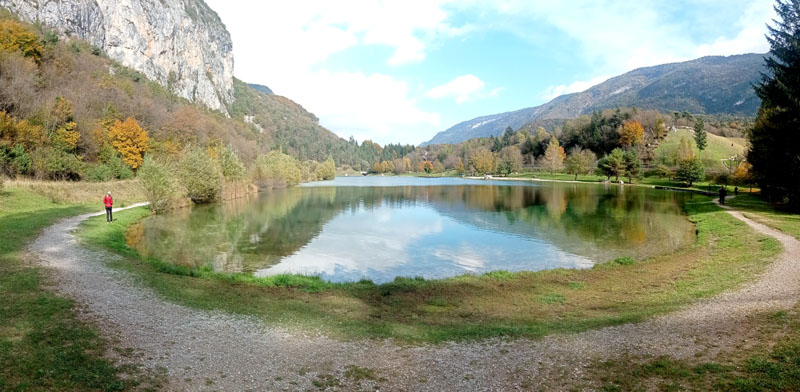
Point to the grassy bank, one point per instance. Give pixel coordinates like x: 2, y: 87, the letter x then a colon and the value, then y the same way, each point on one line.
x: 43, y: 345
x: 726, y: 254
x: 758, y: 209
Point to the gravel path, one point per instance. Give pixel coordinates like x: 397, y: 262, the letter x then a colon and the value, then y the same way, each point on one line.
x: 216, y: 351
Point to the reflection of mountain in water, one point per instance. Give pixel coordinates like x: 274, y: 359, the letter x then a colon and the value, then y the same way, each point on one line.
x: 586, y: 220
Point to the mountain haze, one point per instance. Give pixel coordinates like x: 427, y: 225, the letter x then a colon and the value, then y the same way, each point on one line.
x: 710, y: 85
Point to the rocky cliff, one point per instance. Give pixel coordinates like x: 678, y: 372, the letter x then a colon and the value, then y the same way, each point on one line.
x: 181, y: 44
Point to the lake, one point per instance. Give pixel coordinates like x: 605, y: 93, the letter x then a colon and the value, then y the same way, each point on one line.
x: 379, y: 228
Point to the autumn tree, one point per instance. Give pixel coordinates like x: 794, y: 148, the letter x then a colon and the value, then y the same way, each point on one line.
x: 483, y: 161
x: 427, y: 166
x: 326, y: 170
x: 685, y: 150
x: 130, y: 140
x: 631, y: 133
x: 387, y: 167
x: 460, y: 166
x: 554, y: 156
x: 744, y: 175
x: 15, y: 38
x: 774, y: 138
x: 63, y: 129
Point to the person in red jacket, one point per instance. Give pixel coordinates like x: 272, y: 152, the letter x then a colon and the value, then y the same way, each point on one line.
x: 109, y: 202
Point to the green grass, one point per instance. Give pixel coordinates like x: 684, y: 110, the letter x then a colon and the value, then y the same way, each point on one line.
x: 758, y: 209
x: 43, y: 345
x: 528, y: 304
x: 718, y: 148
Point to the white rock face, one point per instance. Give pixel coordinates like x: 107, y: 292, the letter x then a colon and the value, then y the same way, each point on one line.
x: 182, y: 44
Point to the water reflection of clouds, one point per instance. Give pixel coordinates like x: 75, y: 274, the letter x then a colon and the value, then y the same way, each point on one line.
x: 386, y: 242
x: 352, y: 246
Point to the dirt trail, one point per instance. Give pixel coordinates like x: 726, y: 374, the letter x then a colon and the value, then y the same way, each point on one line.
x: 217, y: 351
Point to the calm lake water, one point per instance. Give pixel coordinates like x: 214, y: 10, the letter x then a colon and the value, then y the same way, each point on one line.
x: 382, y: 227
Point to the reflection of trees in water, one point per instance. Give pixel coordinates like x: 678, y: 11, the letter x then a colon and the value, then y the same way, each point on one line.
x: 580, y: 219
x: 246, y: 235
x: 241, y: 235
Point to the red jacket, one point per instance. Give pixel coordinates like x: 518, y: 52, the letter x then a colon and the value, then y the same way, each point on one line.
x: 108, y: 201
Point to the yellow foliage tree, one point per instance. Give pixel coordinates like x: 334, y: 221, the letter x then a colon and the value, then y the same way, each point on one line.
x: 554, y: 156
x: 387, y: 166
x: 631, y: 133
x: 67, y: 137
x: 130, y: 140
x: 460, y: 166
x: 483, y: 161
x: 14, y: 132
x: 15, y: 38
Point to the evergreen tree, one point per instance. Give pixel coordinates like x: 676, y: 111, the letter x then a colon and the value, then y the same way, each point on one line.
x: 633, y: 165
x: 775, y: 137
x: 613, y: 164
x: 700, y: 135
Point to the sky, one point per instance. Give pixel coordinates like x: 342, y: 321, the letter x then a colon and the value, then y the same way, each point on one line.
x: 399, y: 71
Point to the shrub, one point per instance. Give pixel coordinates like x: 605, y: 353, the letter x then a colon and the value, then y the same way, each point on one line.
x: 54, y: 164
x: 232, y: 167
x: 690, y: 171
x: 662, y: 171
x: 201, y: 176
x: 277, y: 169
x: 157, y: 183
x: 326, y: 170
x: 111, y: 168
x: 16, y: 161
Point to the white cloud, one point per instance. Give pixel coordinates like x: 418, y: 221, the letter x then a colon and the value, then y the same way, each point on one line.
x: 750, y: 38
x: 463, y: 88
x: 574, y: 87
x: 284, y: 45
x: 367, y: 106
x: 292, y: 48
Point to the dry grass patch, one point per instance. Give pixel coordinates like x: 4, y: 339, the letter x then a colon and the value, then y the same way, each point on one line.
x: 125, y: 192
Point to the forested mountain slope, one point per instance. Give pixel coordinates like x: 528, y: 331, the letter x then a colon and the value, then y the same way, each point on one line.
x: 709, y: 85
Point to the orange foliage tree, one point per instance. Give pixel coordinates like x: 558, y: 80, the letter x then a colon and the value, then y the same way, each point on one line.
x: 15, y: 38
x: 130, y: 140
x: 631, y: 133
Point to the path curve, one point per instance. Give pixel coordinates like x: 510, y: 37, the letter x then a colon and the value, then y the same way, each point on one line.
x: 218, y: 351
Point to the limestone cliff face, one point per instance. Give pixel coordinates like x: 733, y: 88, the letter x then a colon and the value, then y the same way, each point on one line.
x: 181, y: 44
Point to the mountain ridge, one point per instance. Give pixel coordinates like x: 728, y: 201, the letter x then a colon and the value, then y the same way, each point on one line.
x: 711, y: 85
